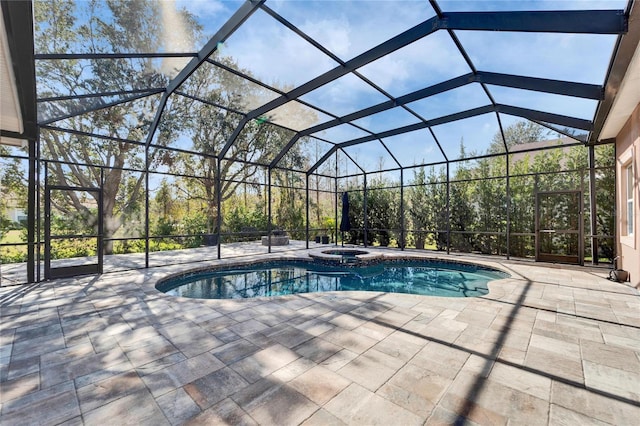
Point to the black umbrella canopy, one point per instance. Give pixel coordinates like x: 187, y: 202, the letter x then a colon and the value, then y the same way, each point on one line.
x: 344, y: 222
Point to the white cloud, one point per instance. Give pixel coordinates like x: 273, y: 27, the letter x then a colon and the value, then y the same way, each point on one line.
x: 205, y: 8
x: 335, y: 34
x: 176, y: 40
x: 427, y: 61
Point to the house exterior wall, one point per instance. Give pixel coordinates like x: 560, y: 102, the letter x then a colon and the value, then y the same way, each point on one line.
x: 628, y: 149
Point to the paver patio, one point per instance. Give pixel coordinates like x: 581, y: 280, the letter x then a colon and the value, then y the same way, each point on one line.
x: 550, y: 345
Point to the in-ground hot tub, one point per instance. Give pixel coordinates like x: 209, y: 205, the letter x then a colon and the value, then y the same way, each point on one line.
x: 344, y: 255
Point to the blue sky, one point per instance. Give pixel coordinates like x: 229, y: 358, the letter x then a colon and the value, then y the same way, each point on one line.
x: 278, y: 57
x: 275, y: 55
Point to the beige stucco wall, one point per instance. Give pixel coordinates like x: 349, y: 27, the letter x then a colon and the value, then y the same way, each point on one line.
x: 628, y: 147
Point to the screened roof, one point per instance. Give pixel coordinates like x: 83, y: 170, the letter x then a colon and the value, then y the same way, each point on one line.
x: 380, y: 84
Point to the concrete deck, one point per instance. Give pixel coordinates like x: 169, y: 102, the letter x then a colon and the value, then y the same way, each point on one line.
x: 551, y: 345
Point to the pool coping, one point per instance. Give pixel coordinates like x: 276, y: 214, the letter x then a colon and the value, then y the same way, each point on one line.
x: 374, y: 256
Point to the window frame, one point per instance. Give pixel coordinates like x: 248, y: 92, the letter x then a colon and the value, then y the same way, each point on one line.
x: 626, y: 162
x: 629, y: 201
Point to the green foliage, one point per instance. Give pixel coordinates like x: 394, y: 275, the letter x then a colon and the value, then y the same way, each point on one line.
x: 241, y: 219
x: 13, y: 254
x: 70, y: 248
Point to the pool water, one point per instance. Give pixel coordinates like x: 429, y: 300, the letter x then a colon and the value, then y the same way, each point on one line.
x: 431, y: 278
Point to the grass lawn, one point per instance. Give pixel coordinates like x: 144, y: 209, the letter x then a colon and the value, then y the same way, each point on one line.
x: 13, y: 236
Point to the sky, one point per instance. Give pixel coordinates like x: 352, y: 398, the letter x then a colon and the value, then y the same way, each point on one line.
x: 278, y: 57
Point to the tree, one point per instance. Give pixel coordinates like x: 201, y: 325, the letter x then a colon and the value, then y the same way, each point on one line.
x: 520, y: 132
x: 462, y: 213
x: 209, y: 128
x: 13, y: 188
x: 419, y: 212
x: 112, y: 26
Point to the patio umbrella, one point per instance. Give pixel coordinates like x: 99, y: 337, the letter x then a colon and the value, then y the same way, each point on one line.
x: 344, y: 222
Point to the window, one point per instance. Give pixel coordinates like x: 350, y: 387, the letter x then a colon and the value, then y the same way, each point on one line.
x: 628, y: 174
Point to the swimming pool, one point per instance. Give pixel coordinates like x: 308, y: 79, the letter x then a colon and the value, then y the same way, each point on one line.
x: 276, y: 278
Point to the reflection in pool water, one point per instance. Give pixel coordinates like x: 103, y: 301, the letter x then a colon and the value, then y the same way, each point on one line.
x: 424, y: 277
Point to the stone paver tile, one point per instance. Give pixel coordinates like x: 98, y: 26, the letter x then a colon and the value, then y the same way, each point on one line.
x: 226, y: 412
x: 480, y: 340
x: 22, y: 367
x: 315, y: 327
x: 161, y: 363
x: 262, y: 363
x: 139, y: 337
x: 401, y: 345
x: 100, y: 393
x: 271, y: 402
x: 319, y: 384
x: 405, y: 399
x: 552, y: 365
x: 215, y: 387
x: 226, y: 336
x: 217, y: 325
x: 562, y: 348
x: 613, y: 380
x: 102, y: 343
x: 369, y: 370
x: 562, y: 416
x: 323, y: 418
x: 63, y: 355
x: 33, y: 398
x: 83, y: 366
x: 41, y: 327
x: 160, y: 348
x: 181, y: 373
x: 350, y: 340
x: 234, y: 351
x: 248, y: 327
x: 396, y: 317
x: 317, y: 349
x: 519, y: 407
x: 135, y: 408
x: 374, y: 331
x: 38, y: 346
x: 441, y: 359
x: 76, y: 421
x: 49, y: 408
x: 516, y: 339
x: 465, y: 408
x: 443, y: 417
x: 621, y: 341
x: 347, y: 321
x: 357, y: 405
x: 291, y: 336
x: 594, y: 405
x: 260, y: 339
x: 533, y: 384
x: 293, y: 369
x: 416, y: 389
x: 19, y: 387
x: 190, y: 339
x: 178, y: 406
x: 443, y: 329
x: 479, y: 365
x: 102, y: 374
x: 515, y: 356
x: 339, y: 359
x: 476, y: 317
x: 609, y: 355
x: 243, y: 315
